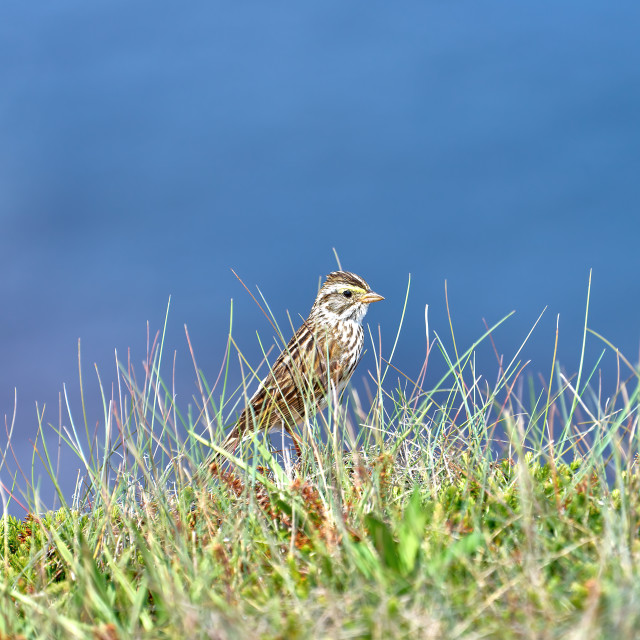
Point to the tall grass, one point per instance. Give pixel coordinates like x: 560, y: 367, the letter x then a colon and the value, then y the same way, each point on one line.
x: 459, y: 510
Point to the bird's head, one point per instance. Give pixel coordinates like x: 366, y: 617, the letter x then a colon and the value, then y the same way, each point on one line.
x: 343, y: 296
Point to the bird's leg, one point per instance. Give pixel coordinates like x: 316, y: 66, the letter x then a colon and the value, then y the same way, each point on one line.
x: 296, y: 439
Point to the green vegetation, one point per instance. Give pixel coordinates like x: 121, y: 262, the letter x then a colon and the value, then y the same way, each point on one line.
x: 454, y: 514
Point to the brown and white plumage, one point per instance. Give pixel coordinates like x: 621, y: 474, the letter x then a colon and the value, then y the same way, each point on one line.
x: 319, y: 360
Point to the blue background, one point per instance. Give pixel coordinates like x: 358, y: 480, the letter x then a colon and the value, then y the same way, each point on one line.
x: 147, y: 148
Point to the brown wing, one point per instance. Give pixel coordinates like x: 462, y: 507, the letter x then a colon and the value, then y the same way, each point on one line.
x: 295, y: 385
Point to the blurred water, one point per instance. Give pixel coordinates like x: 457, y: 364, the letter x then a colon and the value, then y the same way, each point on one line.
x: 146, y: 149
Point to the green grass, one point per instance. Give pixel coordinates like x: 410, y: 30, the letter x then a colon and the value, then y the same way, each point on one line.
x: 454, y: 514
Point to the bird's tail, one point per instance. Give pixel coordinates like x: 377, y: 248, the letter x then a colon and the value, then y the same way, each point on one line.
x: 230, y: 444
x: 240, y: 430
x: 213, y: 464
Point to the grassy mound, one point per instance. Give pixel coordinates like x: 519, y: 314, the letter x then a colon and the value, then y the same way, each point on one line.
x: 458, y: 511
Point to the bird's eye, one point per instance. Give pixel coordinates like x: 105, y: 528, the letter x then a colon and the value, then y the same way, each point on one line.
x: 347, y: 294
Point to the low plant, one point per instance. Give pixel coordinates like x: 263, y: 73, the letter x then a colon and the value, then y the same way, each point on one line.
x: 458, y: 510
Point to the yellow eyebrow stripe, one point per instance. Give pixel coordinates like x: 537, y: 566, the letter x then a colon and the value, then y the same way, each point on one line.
x: 355, y: 289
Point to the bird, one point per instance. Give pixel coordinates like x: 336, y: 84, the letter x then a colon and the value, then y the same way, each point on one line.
x: 318, y: 361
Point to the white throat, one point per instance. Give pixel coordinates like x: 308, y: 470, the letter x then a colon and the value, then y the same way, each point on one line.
x: 352, y: 315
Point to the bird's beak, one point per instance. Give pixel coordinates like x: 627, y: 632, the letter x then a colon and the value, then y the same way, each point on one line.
x: 370, y: 297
